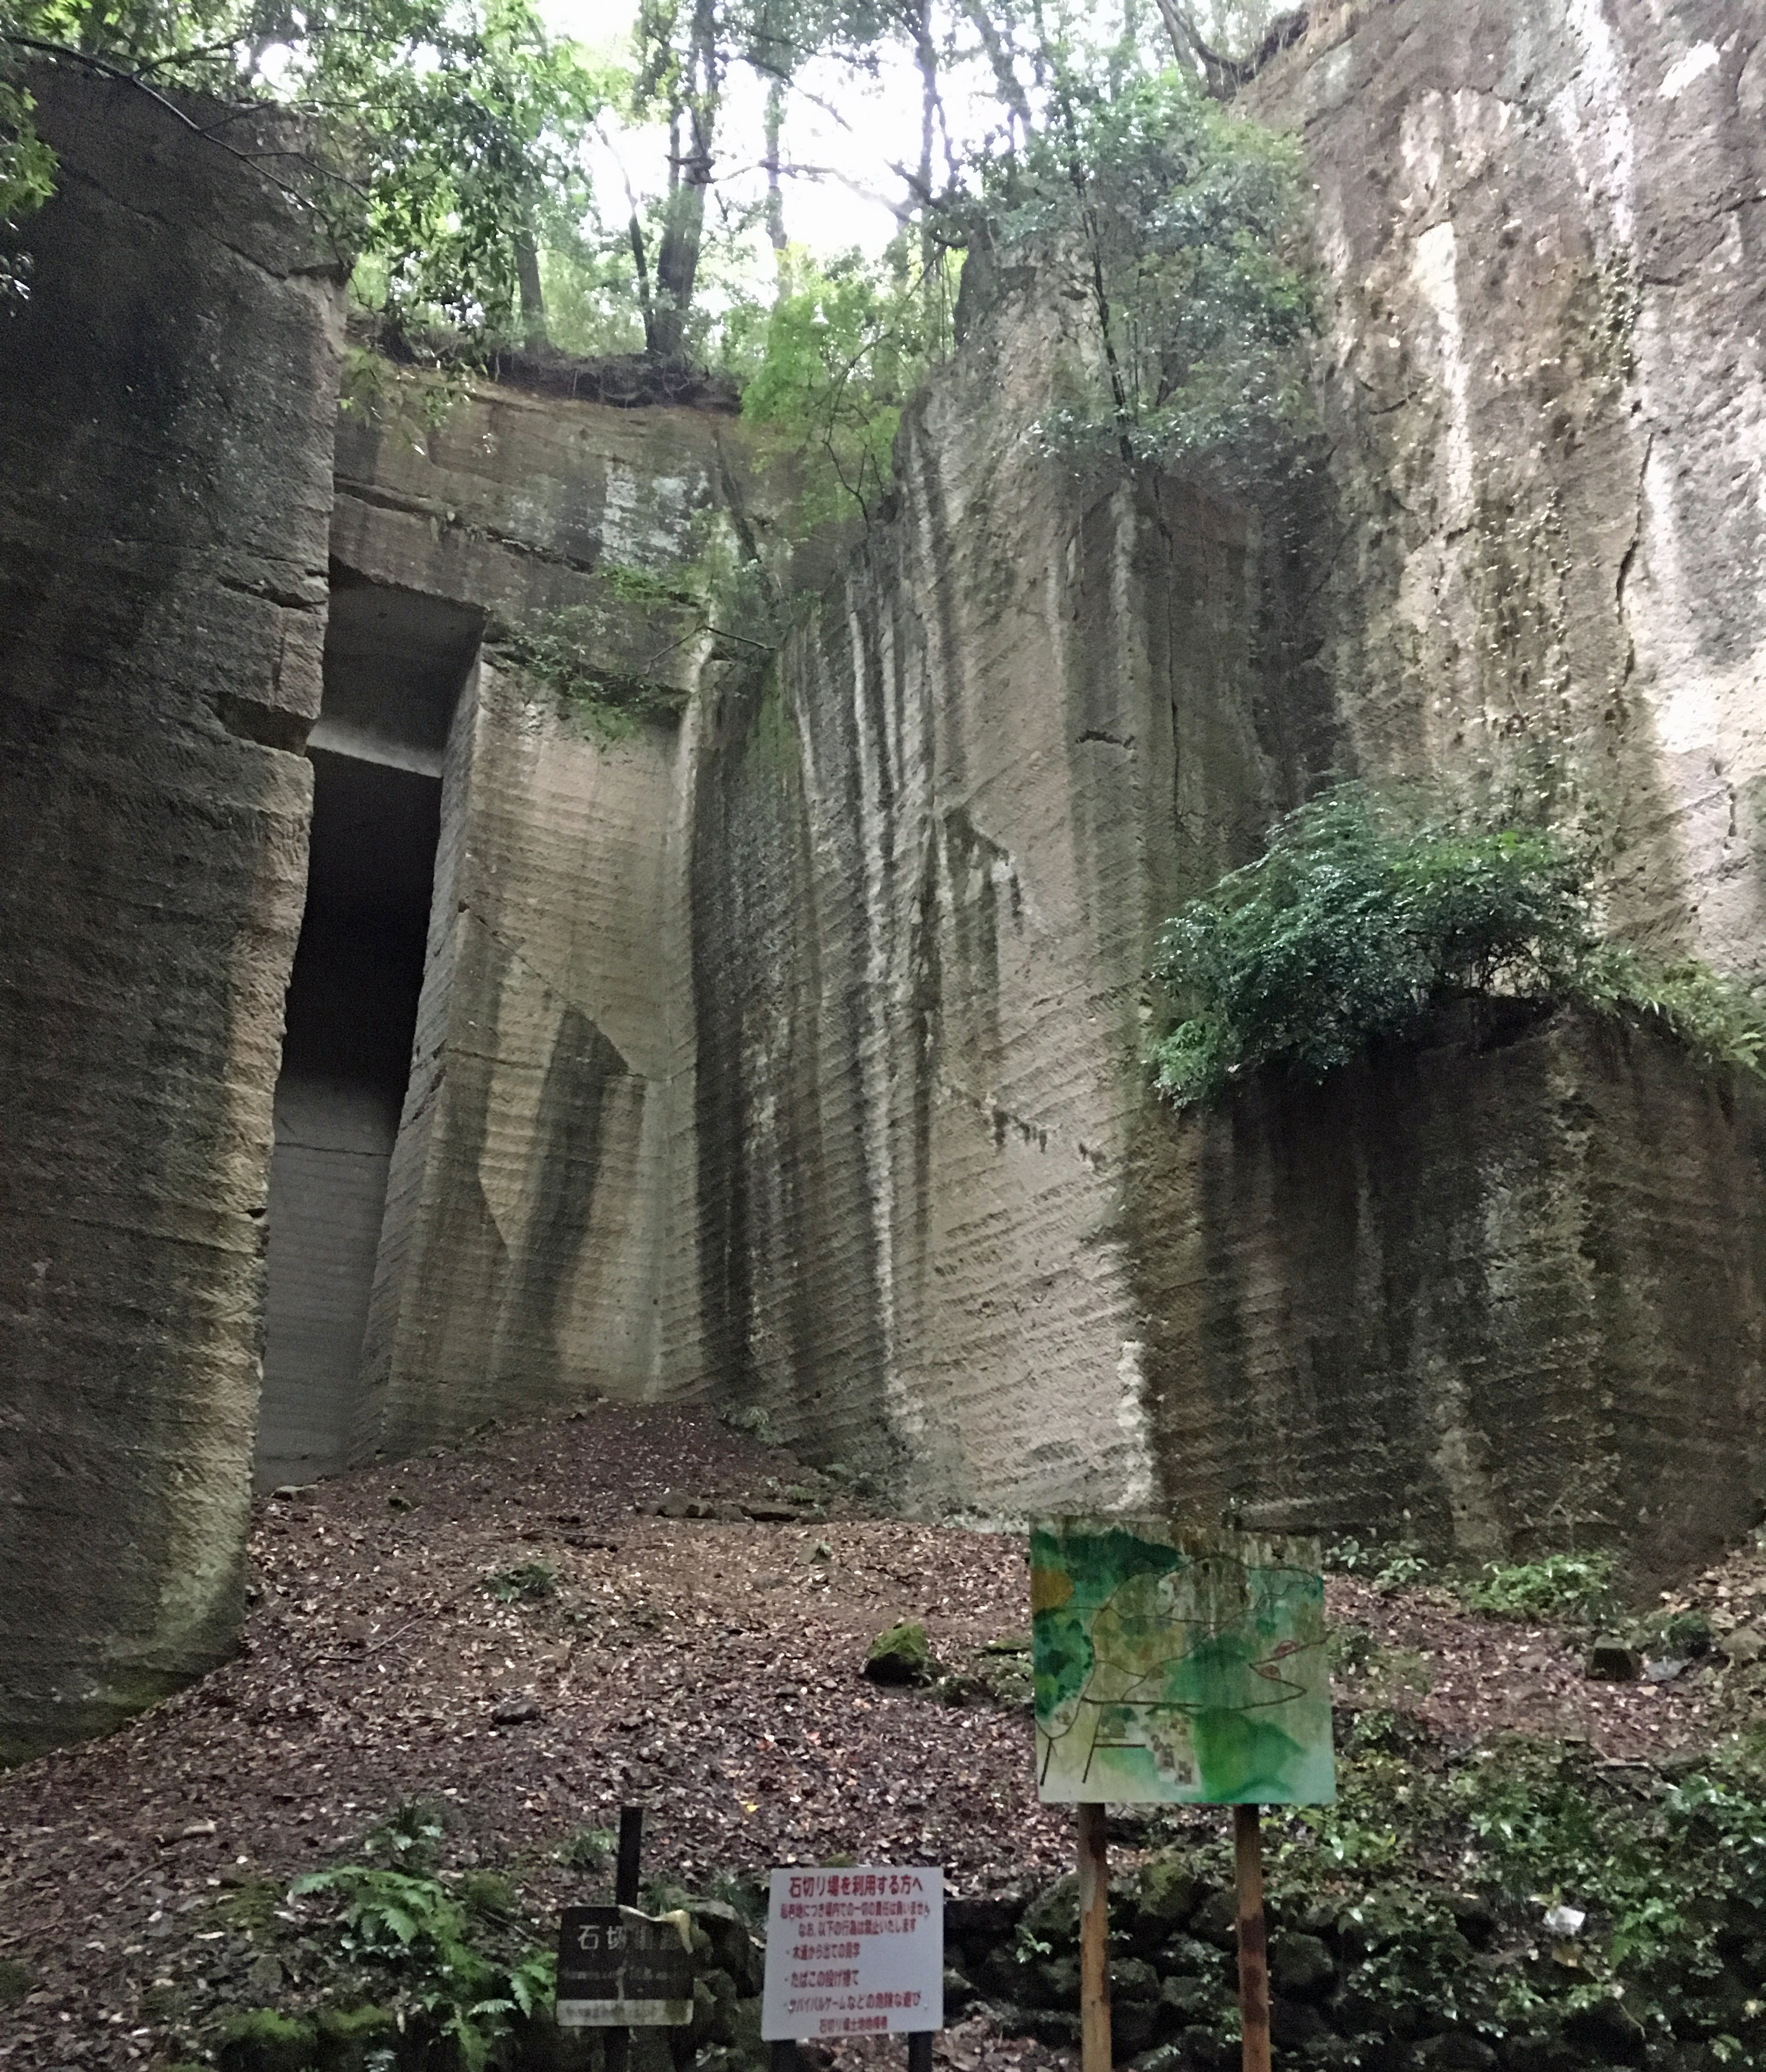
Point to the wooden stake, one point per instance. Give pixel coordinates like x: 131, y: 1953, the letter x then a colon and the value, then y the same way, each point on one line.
x: 1253, y: 1937
x: 1095, y: 1944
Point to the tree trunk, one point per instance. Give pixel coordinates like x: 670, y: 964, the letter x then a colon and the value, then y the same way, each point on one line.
x: 1222, y: 75
x: 775, y: 193
x: 1010, y: 88
x: 533, y: 299
x: 926, y: 57
x: 677, y: 255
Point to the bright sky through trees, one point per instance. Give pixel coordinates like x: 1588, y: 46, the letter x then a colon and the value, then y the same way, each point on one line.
x: 844, y: 137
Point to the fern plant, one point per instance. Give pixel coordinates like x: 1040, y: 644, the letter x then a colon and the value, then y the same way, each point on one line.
x: 415, y: 1925
x: 1359, y: 918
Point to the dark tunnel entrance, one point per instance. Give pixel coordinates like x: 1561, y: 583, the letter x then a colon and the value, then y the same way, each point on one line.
x: 395, y: 664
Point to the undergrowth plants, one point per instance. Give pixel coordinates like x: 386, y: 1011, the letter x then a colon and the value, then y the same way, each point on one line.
x: 1577, y: 1588
x: 1445, y: 1876
x: 459, y: 1965
x: 1362, y: 915
x: 557, y: 651
x: 424, y: 1935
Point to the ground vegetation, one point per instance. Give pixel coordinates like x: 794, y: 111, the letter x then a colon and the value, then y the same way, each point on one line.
x: 454, y: 1670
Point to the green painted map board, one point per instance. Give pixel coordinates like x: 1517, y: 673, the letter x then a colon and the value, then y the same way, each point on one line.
x: 1179, y: 1666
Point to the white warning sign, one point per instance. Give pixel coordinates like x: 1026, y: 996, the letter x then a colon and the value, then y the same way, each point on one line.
x: 854, y: 1952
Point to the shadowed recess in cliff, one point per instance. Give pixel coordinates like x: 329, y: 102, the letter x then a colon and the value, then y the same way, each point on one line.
x: 789, y: 1255
x: 584, y: 1077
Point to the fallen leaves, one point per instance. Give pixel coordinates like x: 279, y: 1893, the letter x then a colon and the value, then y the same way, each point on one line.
x: 707, y: 1665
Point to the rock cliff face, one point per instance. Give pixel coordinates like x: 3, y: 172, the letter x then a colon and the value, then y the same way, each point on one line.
x: 786, y: 1053
x: 930, y: 855
x: 166, y: 413
x: 1508, y: 1284
x: 939, y: 1219
x: 1541, y: 229
x: 526, y: 1255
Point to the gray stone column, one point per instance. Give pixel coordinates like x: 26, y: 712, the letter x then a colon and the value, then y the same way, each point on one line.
x: 166, y: 411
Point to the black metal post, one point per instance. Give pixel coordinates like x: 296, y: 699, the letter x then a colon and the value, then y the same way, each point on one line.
x: 782, y: 2054
x: 631, y: 1843
x: 920, y: 2050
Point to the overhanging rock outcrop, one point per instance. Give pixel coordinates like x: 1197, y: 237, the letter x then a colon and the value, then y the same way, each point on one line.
x: 167, y: 405
x: 1501, y: 1290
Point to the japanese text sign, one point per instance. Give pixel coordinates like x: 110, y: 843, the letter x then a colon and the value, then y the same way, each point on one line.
x: 621, y: 1969
x: 854, y: 1953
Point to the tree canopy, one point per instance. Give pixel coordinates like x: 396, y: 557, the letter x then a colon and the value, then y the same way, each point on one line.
x: 493, y: 183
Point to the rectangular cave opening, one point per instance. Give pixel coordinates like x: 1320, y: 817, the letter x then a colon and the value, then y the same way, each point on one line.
x: 395, y: 665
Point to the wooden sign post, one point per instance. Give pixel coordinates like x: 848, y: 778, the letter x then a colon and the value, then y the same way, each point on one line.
x: 1176, y: 1667
x: 618, y: 2044
x: 1095, y: 2050
x: 1253, y: 1937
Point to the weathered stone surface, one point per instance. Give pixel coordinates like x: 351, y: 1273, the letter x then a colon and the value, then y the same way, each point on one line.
x: 1610, y: 1661
x: 1541, y: 227
x: 528, y: 1255
x: 1300, y: 1965
x: 166, y: 402
x: 929, y: 857
x: 940, y: 1232
x: 787, y: 1055
x: 1511, y: 1280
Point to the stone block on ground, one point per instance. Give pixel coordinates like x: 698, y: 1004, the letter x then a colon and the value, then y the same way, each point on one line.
x: 1611, y: 1660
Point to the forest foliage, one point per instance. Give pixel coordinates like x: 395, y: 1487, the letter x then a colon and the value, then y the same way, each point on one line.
x: 484, y: 177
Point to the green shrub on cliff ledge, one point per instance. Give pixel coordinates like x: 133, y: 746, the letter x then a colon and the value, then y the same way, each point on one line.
x: 1359, y: 918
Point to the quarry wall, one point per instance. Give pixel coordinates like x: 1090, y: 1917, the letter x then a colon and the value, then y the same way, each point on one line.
x: 782, y: 1051
x: 1514, y: 1284
x: 526, y: 1256
x: 166, y: 413
x: 1510, y: 1284
x: 1539, y: 229
x: 930, y: 852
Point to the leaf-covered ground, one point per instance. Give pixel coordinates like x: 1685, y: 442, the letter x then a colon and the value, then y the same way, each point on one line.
x: 708, y: 1667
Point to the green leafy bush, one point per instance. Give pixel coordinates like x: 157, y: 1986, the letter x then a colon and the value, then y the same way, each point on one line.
x: 409, y: 1835
x: 442, y: 136
x: 1558, y: 1586
x: 1180, y: 217
x: 589, y: 1850
x: 1359, y: 917
x: 844, y: 347
x: 27, y: 178
x: 1424, y: 1850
